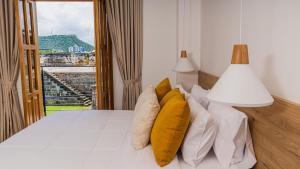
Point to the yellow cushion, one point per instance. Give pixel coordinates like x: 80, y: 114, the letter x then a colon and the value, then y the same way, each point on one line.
x: 173, y: 93
x: 163, y: 88
x: 169, y: 129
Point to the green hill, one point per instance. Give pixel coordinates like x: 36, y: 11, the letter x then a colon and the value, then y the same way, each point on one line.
x: 61, y: 43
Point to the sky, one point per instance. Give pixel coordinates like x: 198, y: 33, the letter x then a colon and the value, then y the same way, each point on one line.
x: 66, y: 18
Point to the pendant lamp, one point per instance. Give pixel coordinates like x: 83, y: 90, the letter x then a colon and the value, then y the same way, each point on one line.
x: 184, y: 65
x: 239, y: 86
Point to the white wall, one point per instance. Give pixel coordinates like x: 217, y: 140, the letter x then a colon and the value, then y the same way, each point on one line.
x: 160, y: 40
x: 271, y: 30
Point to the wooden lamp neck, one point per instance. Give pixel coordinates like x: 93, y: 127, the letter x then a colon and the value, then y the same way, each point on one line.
x: 240, y: 54
x: 183, y: 54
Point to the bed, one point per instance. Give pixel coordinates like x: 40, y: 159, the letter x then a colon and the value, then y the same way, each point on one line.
x: 83, y: 140
x: 101, y: 140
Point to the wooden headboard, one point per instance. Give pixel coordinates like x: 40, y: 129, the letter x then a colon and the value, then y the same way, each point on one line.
x: 275, y: 131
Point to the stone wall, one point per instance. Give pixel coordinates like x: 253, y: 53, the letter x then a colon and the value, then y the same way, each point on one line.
x: 68, y: 88
x: 82, y: 81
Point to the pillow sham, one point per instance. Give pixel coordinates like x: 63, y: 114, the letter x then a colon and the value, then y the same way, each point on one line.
x: 200, y: 95
x: 249, y: 159
x: 200, y: 136
x: 232, y: 134
x: 163, y: 88
x: 169, y: 129
x: 145, y: 111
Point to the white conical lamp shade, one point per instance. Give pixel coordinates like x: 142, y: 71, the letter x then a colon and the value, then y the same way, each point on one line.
x: 239, y: 86
x: 183, y: 64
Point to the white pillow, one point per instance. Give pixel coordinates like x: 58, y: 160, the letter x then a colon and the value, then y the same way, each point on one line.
x: 146, y: 110
x: 182, y: 90
x: 249, y: 159
x: 200, y: 95
x: 200, y: 135
x: 233, y: 133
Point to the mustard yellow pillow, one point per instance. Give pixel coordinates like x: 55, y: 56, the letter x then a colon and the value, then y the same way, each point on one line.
x: 163, y: 88
x: 169, y: 129
x: 173, y: 93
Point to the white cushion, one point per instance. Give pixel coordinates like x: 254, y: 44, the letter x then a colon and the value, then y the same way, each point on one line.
x: 233, y: 133
x: 143, y: 96
x: 200, y: 95
x: 200, y: 136
x: 145, y: 112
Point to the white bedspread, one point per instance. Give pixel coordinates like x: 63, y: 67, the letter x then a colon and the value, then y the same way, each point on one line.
x: 79, y: 140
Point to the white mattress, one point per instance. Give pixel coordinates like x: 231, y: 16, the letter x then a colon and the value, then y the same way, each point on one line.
x: 81, y: 140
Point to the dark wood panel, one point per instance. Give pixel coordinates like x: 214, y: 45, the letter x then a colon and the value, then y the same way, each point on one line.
x: 275, y: 130
x: 104, y: 66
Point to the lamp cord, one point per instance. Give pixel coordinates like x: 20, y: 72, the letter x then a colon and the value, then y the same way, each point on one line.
x: 183, y: 34
x: 241, y: 20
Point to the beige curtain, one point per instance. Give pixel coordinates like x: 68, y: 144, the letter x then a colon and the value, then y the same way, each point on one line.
x: 126, y: 28
x: 10, y: 111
